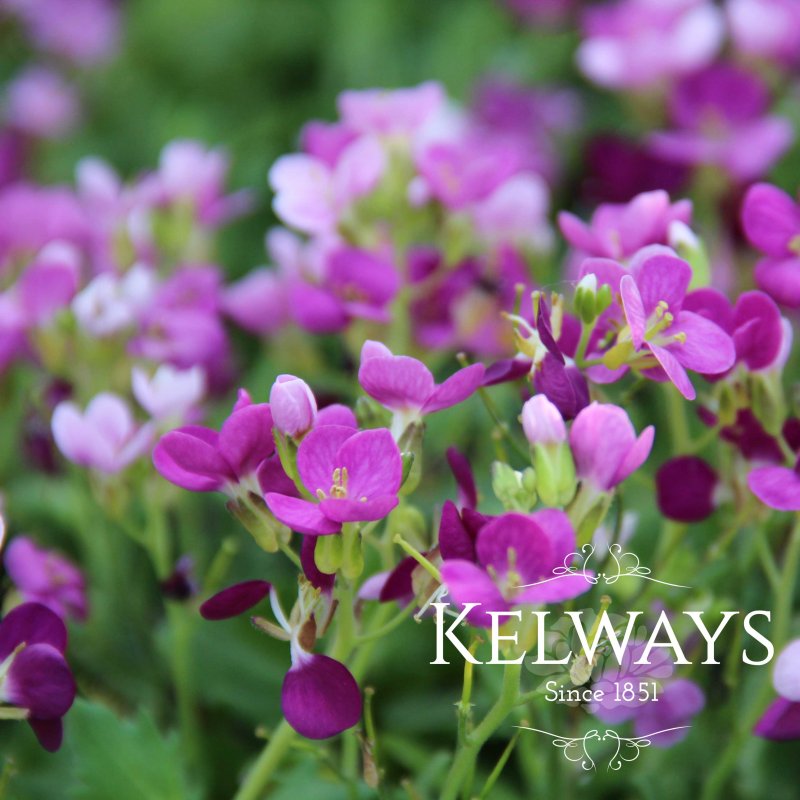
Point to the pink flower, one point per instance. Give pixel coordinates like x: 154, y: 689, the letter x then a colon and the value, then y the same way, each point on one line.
x: 41, y: 103
x: 618, y: 231
x: 542, y: 421
x: 294, y: 407
x: 605, y: 446
x: 781, y: 721
x: 312, y: 196
x: 42, y: 576
x: 776, y: 487
x: 406, y: 386
x: 771, y: 220
x: 767, y: 28
x: 103, y: 437
x: 170, y: 393
x: 636, y: 44
x: 351, y: 476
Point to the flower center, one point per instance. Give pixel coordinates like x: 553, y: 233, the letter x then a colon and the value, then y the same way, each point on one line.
x: 339, y: 485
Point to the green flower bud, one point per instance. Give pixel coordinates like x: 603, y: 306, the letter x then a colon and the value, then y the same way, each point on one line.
x: 515, y: 490
x: 555, y: 473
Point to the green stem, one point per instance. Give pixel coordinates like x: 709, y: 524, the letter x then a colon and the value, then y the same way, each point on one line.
x: 467, y: 755
x: 784, y: 595
x: 261, y: 772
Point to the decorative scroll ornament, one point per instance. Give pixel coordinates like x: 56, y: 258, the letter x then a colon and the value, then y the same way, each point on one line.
x: 622, y: 565
x: 626, y: 749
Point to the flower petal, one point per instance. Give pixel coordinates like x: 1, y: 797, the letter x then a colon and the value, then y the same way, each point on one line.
x: 245, y: 439
x: 685, y: 489
x: 302, y: 516
x: 49, y: 732
x: 347, y: 510
x: 40, y: 680
x: 320, y: 698
x: 776, y: 487
x: 707, y: 348
x: 234, y: 600
x: 318, y: 456
x: 468, y: 583
x: 634, y: 309
x: 373, y: 463
x: 771, y: 219
x: 398, y: 383
x: 455, y: 539
x: 673, y: 369
x: 786, y: 676
x: 32, y: 623
x: 780, y: 279
x: 780, y: 722
x: 663, y: 278
x: 515, y: 541
x: 188, y: 457
x: 457, y: 388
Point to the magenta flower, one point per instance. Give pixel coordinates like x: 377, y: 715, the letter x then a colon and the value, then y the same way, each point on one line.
x: 777, y: 487
x: 771, y: 220
x: 42, y: 576
x: 619, y: 230
x: 685, y: 489
x: 720, y: 118
x: 294, y: 407
x: 637, y: 44
x: 201, y: 460
x: 542, y: 422
x: 312, y: 196
x: 41, y: 103
x: 406, y: 386
x: 34, y: 675
x: 766, y: 28
x: 670, y: 339
x: 319, y: 697
x: 781, y: 721
x: 352, y: 477
x: 515, y: 558
x: 605, y: 447
x: 104, y: 437
x: 397, y: 112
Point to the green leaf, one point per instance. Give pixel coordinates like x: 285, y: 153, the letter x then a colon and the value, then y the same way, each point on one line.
x: 127, y: 759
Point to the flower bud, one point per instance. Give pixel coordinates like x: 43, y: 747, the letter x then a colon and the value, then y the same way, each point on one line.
x: 586, y: 298
x: 293, y: 405
x: 515, y: 490
x: 542, y: 421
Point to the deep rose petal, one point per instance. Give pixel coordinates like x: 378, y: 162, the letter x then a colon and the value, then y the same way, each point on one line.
x: 780, y: 278
x: 188, y: 457
x: 245, y: 439
x: 559, y: 530
x: 674, y: 370
x: 320, y: 697
x: 533, y: 551
x: 505, y: 370
x: 40, y: 680
x: 712, y: 305
x: 399, y: 382
x: 455, y: 539
x: 759, y: 331
x: 318, y: 456
x: 49, y: 732
x: 685, y: 489
x: 457, y: 388
x: 771, y: 219
x: 707, y: 349
x: 373, y: 463
x: 780, y: 722
x: 32, y: 623
x: 468, y: 583
x: 234, y: 600
x: 302, y: 516
x: 462, y: 472
x: 776, y: 487
x: 634, y: 309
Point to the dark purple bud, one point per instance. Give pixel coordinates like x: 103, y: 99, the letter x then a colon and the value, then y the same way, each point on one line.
x: 455, y: 539
x: 685, y: 488
x: 320, y: 698
x: 564, y: 386
x: 317, y: 578
x: 234, y: 600
x: 462, y: 472
x: 181, y: 584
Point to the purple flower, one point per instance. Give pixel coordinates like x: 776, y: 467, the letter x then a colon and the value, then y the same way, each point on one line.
x: 514, y: 552
x: 619, y: 230
x: 605, y: 446
x: 294, y: 407
x: 42, y: 576
x: 406, y: 386
x: 771, y: 220
x: 319, y: 697
x: 781, y: 721
x: 397, y: 112
x: 777, y: 487
x: 637, y: 44
x: 720, y: 116
x: 201, y: 460
x: 352, y: 476
x: 685, y: 489
x: 670, y: 339
x: 34, y: 675
x: 41, y: 103
x: 258, y: 302
x: 767, y: 28
x: 103, y: 437
x: 542, y: 421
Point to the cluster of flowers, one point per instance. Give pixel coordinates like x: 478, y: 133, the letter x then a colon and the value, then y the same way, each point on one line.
x: 41, y: 101
x: 407, y: 199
